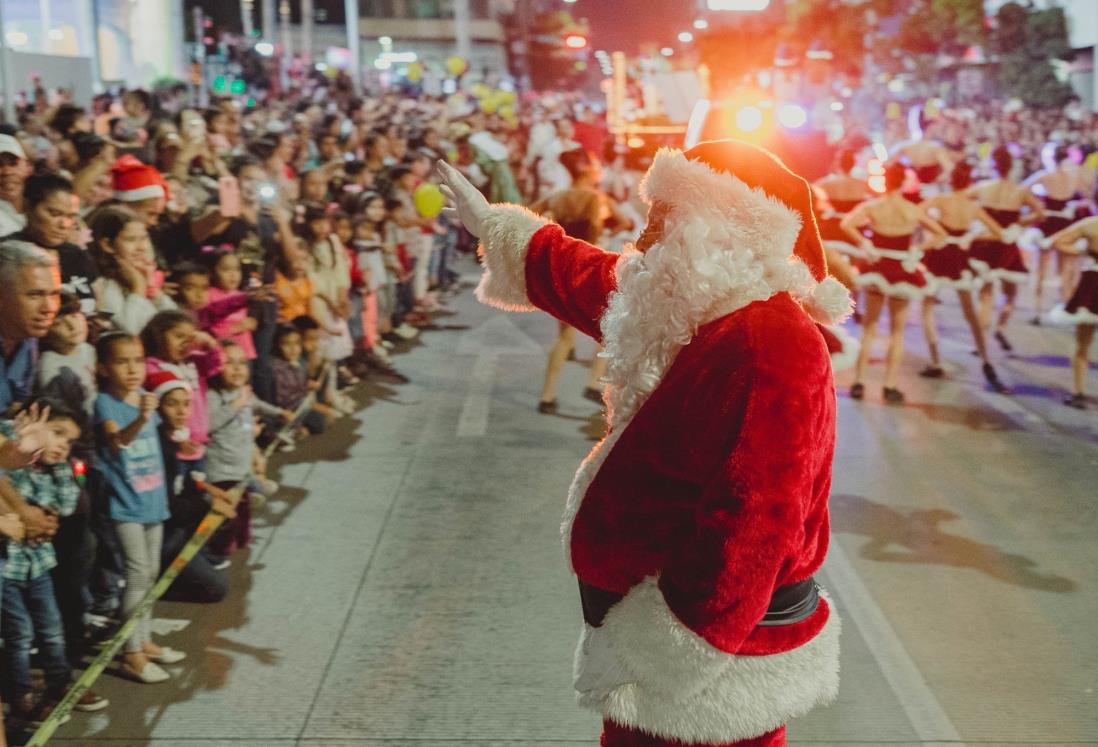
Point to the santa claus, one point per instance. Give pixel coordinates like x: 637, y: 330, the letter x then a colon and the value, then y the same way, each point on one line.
x: 695, y: 527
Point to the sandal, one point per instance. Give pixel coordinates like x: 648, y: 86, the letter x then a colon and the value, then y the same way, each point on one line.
x: 993, y: 379
x: 932, y: 372
x: 1077, y: 400
x: 1004, y: 343
x: 857, y: 391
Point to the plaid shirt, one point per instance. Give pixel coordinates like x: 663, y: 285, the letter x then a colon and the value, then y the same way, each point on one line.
x: 52, y: 487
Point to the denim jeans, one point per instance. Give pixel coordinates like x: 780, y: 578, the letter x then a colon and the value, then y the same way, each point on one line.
x: 30, y: 613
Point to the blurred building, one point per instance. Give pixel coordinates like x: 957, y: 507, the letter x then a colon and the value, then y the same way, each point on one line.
x: 79, y: 43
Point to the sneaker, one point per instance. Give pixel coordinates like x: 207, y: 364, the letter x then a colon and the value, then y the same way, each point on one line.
x: 287, y: 442
x: 168, y: 655
x: 151, y: 674
x: 387, y: 346
x: 220, y: 565
x: 267, y: 485
x: 36, y: 715
x: 406, y: 331
x: 90, y: 702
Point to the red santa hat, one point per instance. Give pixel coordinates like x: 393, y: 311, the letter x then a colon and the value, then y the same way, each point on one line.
x: 134, y: 181
x: 162, y: 382
x: 712, y: 177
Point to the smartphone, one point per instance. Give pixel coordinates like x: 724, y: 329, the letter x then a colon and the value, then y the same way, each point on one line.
x: 228, y: 192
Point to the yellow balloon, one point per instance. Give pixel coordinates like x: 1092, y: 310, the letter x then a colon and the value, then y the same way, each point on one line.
x: 481, y: 91
x: 456, y: 65
x: 983, y: 150
x: 507, y: 112
x: 508, y: 97
x: 415, y: 72
x: 892, y: 111
x: 489, y: 105
x: 429, y: 200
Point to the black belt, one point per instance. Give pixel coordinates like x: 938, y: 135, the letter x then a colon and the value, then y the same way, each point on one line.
x: 788, y: 604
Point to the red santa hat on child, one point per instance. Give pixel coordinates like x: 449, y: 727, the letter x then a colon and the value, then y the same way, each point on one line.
x: 741, y: 182
x: 162, y: 382
x: 134, y: 181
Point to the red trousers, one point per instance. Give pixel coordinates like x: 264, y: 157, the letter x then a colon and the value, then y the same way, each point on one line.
x: 615, y: 735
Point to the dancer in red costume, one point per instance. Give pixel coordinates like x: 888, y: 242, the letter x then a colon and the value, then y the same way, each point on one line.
x: 949, y: 265
x: 696, y: 526
x: 926, y: 156
x: 841, y: 194
x: 1001, y: 261
x: 892, y: 273
x: 1081, y: 308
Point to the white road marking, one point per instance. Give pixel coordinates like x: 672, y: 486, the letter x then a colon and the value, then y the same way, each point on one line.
x: 927, y: 717
x: 473, y: 421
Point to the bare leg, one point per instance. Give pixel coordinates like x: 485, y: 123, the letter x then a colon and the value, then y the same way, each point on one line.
x: 1070, y: 269
x: 1084, y: 335
x: 1010, y: 293
x: 930, y: 332
x: 598, y: 370
x: 987, y: 305
x: 969, y: 310
x: 1043, y: 262
x: 897, y: 318
x: 874, y: 302
x: 566, y: 340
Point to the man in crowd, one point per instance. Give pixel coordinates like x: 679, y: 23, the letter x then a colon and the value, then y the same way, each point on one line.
x: 14, y: 170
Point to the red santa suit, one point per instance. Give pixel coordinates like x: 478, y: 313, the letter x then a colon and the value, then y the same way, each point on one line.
x: 706, y: 505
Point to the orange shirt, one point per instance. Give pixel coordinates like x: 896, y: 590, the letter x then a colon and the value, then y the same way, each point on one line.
x: 294, y: 297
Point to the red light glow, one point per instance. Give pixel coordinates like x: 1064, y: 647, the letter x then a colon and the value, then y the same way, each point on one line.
x: 575, y: 41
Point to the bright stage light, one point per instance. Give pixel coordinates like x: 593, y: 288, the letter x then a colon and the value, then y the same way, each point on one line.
x: 792, y: 116
x: 875, y: 167
x: 265, y: 49
x: 836, y: 106
x: 686, y: 37
x: 635, y: 142
x: 701, y: 24
x: 881, y: 152
x: 877, y: 184
x: 667, y: 51
x: 749, y: 119
x: 738, y: 4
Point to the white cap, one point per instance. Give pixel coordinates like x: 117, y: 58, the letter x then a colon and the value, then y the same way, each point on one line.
x: 9, y: 144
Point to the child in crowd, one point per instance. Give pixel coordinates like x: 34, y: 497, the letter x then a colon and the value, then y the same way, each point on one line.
x: 190, y: 497
x: 231, y: 451
x: 291, y: 382
x: 401, y: 264
x: 321, y: 375
x: 226, y: 275
x: 174, y: 343
x: 130, y: 461
x: 380, y: 265
x: 293, y: 287
x: 132, y: 289
x: 68, y: 354
x: 330, y: 273
x: 30, y: 612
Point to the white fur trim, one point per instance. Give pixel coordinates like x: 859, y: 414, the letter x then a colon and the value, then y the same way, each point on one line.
x: 847, y: 356
x: 681, y: 687
x: 507, y: 233
x: 147, y: 192
x: 1082, y: 315
x: 876, y: 281
x: 830, y: 302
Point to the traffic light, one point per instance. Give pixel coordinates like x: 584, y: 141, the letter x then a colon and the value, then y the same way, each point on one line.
x: 209, y: 38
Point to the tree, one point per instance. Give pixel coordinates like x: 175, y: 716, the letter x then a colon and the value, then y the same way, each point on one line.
x: 1027, y: 40
x: 552, y: 64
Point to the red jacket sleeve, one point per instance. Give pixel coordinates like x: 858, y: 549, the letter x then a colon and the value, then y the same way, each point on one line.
x: 762, y: 516
x: 569, y: 278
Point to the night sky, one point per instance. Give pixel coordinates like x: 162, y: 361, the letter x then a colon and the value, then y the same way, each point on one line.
x: 627, y: 24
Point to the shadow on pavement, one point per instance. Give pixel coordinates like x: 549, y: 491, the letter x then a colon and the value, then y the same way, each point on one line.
x: 916, y: 536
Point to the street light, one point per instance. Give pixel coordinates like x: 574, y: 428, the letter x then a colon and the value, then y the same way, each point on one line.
x: 667, y: 51
x: 701, y: 24
x: 686, y: 37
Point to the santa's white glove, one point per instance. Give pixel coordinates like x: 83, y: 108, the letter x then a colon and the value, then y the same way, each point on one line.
x: 598, y: 669
x: 469, y: 205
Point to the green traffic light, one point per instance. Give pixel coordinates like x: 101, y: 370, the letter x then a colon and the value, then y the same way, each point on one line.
x: 220, y: 84
x: 237, y: 87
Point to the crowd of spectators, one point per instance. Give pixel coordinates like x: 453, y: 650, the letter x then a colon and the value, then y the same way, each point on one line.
x: 185, y: 291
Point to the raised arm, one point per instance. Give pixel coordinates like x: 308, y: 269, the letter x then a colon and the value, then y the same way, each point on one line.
x: 531, y: 263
